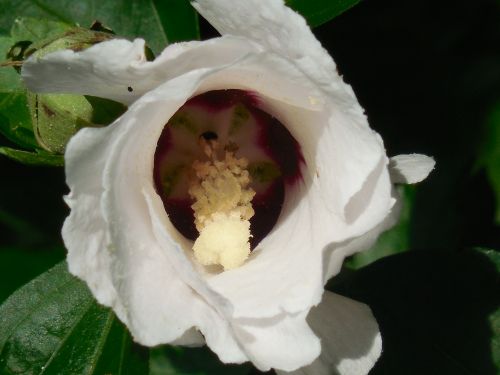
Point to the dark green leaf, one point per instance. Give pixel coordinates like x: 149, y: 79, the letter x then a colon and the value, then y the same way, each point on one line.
x: 438, y: 311
x: 320, y: 11
x: 179, y: 20
x: 128, y: 18
x: 33, y: 29
x: 53, y: 326
x: 40, y: 158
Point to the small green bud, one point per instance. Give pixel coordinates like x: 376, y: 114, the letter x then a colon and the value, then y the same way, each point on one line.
x: 76, y: 39
x: 56, y: 117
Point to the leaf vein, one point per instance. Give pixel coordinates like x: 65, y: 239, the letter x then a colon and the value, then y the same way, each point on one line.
x: 43, y: 302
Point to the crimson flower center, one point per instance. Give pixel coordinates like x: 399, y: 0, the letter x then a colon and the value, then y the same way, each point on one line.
x: 224, y: 140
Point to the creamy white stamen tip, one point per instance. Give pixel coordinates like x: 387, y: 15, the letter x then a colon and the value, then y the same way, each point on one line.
x: 224, y: 241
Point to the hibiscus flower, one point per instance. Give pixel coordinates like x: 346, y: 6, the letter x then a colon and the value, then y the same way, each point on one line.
x: 176, y: 268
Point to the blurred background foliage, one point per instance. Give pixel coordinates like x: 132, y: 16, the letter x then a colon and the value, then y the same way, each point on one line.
x: 428, y: 75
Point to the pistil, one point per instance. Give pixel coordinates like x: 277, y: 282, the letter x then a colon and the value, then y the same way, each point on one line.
x: 222, y: 206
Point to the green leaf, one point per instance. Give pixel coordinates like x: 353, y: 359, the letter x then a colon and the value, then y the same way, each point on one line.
x: 127, y: 18
x: 53, y: 326
x: 393, y: 241
x: 179, y: 20
x: 319, y: 12
x: 33, y: 29
x: 39, y: 157
x: 438, y: 311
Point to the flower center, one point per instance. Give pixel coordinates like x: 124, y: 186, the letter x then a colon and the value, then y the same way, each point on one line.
x: 221, y: 168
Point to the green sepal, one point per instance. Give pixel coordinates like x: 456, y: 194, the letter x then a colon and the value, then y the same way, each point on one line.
x: 39, y: 157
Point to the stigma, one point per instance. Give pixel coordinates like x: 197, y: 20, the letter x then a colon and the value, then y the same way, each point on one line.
x: 222, y: 206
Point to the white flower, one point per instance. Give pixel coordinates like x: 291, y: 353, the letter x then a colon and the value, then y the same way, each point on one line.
x: 120, y: 239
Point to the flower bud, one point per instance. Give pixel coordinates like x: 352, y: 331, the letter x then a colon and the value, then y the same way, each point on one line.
x: 56, y: 117
x: 75, y: 39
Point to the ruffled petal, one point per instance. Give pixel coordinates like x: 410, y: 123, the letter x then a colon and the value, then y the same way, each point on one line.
x: 410, y: 169
x: 282, y: 342
x: 336, y: 252
x: 118, y: 69
x: 84, y: 232
x: 275, y: 27
x: 350, y: 339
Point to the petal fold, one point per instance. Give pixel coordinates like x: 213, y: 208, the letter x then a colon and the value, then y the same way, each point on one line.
x: 336, y: 252
x: 411, y: 168
x: 84, y: 230
x: 350, y: 338
x: 275, y: 27
x: 282, y: 342
x: 117, y: 69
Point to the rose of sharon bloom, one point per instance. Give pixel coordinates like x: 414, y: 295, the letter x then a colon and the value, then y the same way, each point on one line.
x: 220, y: 223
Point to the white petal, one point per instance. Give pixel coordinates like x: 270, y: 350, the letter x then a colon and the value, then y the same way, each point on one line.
x: 336, y: 252
x: 274, y: 26
x: 282, y: 342
x: 350, y: 338
x: 100, y: 70
x: 278, y: 28
x: 118, y: 70
x: 84, y: 231
x: 410, y: 169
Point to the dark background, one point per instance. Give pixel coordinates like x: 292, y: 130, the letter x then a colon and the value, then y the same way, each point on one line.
x: 428, y: 75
